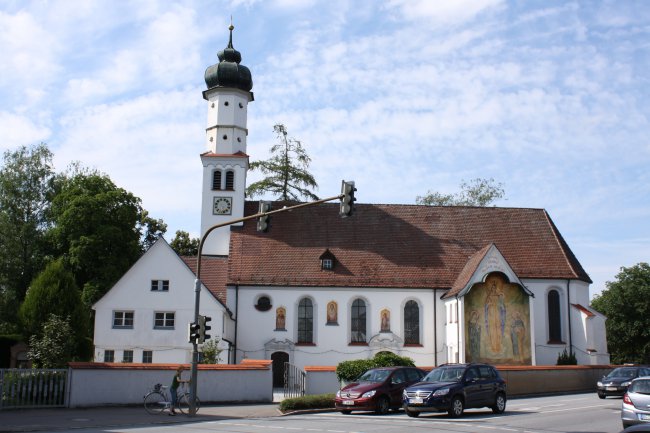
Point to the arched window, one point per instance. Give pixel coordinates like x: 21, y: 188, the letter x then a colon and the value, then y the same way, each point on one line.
x: 411, y: 323
x: 554, y: 318
x: 358, y: 323
x: 305, y: 321
x: 230, y: 180
x: 216, y: 179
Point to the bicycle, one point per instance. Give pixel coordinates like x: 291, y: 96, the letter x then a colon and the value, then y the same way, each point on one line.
x: 157, y: 400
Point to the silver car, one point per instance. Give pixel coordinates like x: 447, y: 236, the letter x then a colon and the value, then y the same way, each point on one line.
x: 636, y: 402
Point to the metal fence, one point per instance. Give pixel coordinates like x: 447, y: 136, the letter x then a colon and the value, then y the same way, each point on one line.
x: 23, y: 388
x: 294, y: 381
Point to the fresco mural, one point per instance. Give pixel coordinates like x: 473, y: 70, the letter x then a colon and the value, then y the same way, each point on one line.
x: 497, y: 323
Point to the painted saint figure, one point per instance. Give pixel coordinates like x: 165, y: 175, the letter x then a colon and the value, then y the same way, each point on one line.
x: 495, y: 316
x: 332, y: 313
x: 517, y: 336
x: 280, y: 318
x: 385, y: 320
x: 474, y: 336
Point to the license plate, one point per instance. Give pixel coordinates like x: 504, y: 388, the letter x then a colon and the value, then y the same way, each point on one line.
x: 611, y: 388
x: 644, y: 417
x: 348, y: 402
x: 416, y: 400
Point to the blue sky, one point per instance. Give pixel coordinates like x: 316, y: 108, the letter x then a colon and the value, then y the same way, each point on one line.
x: 548, y: 98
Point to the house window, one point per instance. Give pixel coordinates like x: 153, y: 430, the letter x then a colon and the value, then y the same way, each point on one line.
x: 164, y: 321
x: 216, y: 180
x: 147, y: 356
x: 305, y: 321
x: 358, y: 325
x: 160, y: 285
x: 127, y: 356
x: 411, y: 323
x: 122, y: 319
x: 554, y: 318
x: 327, y: 264
x: 109, y: 355
x: 230, y: 180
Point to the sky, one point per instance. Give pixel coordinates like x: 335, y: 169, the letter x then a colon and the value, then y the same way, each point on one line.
x: 548, y: 98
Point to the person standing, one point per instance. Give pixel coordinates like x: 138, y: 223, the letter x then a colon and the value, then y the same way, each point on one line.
x: 176, y: 381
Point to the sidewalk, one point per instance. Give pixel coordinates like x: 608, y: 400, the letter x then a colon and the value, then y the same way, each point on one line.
x: 28, y: 420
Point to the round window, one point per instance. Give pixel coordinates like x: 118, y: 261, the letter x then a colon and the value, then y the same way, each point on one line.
x: 263, y: 303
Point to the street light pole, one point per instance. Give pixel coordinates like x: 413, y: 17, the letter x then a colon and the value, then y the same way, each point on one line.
x: 197, y: 283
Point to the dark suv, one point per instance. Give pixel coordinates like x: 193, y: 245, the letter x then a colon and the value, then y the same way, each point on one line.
x: 452, y: 388
x: 378, y: 389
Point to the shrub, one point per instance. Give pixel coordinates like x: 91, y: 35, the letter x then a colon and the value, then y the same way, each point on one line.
x: 319, y: 401
x: 348, y: 371
x: 565, y: 358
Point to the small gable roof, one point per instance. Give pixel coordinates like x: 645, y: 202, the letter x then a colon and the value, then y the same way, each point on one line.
x: 401, y: 246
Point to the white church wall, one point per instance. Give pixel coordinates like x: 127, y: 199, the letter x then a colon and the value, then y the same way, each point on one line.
x: 257, y: 328
x: 132, y: 293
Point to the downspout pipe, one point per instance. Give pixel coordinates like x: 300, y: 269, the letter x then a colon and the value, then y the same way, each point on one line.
x: 435, y: 329
x: 234, y: 356
x: 568, y: 299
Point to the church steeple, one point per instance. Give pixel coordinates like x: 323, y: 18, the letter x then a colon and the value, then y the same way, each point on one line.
x: 225, y: 162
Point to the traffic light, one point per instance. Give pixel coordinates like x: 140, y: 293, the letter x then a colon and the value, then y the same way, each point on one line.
x: 264, y: 221
x: 193, y: 332
x: 203, y: 327
x: 347, y: 198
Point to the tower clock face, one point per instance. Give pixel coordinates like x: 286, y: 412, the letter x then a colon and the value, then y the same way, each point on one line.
x: 222, y: 206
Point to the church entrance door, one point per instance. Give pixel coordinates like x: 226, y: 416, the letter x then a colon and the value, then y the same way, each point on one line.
x: 279, y: 360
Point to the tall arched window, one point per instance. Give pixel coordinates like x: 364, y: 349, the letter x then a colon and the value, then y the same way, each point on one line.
x: 358, y: 323
x: 216, y: 179
x: 305, y: 321
x: 411, y: 323
x: 554, y: 318
x: 230, y: 180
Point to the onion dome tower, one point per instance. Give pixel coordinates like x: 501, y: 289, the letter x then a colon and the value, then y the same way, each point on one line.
x: 225, y: 162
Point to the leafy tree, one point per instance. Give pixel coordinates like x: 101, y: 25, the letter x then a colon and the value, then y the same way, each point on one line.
x: 54, y: 348
x: 26, y: 180
x: 184, y: 245
x: 625, y: 303
x: 211, y: 352
x: 150, y: 229
x: 286, y: 170
x: 54, y: 292
x: 478, y: 192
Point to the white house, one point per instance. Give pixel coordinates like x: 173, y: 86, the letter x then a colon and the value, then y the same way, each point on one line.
x: 437, y: 284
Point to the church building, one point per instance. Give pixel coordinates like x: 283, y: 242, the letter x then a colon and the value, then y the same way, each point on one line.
x: 436, y: 284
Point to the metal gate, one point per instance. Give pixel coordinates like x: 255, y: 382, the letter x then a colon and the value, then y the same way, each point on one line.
x: 294, y: 381
x: 23, y: 388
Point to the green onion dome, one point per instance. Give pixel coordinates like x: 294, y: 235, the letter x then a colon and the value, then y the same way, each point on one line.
x: 228, y: 72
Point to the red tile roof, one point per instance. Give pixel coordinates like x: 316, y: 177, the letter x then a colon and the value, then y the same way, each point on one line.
x: 214, y: 272
x: 405, y: 246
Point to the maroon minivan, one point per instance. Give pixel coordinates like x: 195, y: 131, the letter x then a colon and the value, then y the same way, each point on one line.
x: 378, y: 389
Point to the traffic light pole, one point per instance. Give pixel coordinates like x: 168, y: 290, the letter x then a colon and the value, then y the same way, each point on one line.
x: 197, y: 282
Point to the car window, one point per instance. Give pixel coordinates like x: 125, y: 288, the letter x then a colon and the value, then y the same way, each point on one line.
x: 398, y: 377
x: 445, y: 374
x: 623, y: 372
x: 471, y: 374
x: 412, y: 374
x: 640, y: 386
x: 486, y: 372
x: 374, y: 376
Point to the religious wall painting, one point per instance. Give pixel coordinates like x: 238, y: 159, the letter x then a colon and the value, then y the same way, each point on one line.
x: 497, y: 323
x: 280, y: 319
x: 332, y: 313
x: 385, y: 320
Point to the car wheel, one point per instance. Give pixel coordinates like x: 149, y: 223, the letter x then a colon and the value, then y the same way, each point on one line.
x: 457, y: 407
x: 601, y: 394
x: 383, y: 405
x: 346, y: 412
x: 499, y: 403
x: 411, y: 413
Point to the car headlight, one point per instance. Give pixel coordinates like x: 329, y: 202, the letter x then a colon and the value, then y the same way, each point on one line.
x: 369, y: 394
x: 404, y: 394
x: 599, y: 383
x: 442, y: 391
x: 626, y: 383
x: 338, y: 393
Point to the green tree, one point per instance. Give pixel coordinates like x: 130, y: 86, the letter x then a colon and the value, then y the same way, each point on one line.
x: 286, y: 171
x: 54, y: 292
x: 477, y: 192
x: 211, y: 352
x: 26, y: 180
x: 184, y: 245
x: 53, y: 348
x: 625, y: 303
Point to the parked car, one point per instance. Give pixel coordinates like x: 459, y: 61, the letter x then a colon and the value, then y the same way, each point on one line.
x: 378, y: 389
x: 635, y: 408
x: 452, y: 388
x: 639, y: 428
x: 616, y: 382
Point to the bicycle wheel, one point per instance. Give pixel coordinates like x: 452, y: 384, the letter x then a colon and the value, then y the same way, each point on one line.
x: 184, y: 403
x: 154, y: 402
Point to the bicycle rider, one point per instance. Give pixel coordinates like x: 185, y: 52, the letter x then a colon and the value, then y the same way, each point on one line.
x: 172, y: 390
